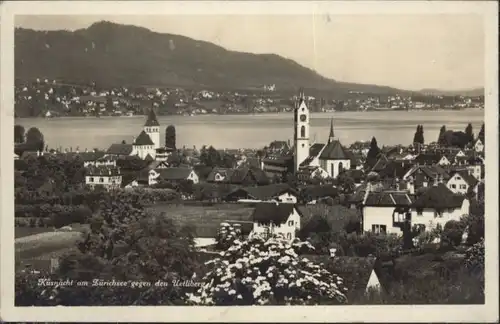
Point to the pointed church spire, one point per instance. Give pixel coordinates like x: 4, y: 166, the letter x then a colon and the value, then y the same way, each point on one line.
x: 332, y: 135
x: 152, y: 120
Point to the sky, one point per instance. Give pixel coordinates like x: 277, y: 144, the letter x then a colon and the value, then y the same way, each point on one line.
x: 413, y: 52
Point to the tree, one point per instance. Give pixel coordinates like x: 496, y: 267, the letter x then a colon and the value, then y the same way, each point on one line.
x: 268, y: 272
x: 170, y: 137
x: 34, y: 139
x: 19, y: 133
x: 210, y: 157
x: 124, y: 142
x: 441, y: 139
x: 124, y: 244
x: 481, y: 134
x: 469, y: 133
x: 373, y: 153
x: 419, y: 135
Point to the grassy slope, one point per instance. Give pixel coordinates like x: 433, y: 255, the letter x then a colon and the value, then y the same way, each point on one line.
x: 205, y: 220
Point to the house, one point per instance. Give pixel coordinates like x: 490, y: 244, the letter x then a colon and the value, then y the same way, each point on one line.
x: 173, y: 175
x: 97, y: 158
x: 360, y: 275
x: 381, y: 163
x: 120, y: 150
x: 107, y: 176
x: 479, y: 146
x: 277, y: 165
x: 424, y: 175
x: 312, y: 194
x: 241, y: 176
x: 384, y: 212
x: 309, y: 173
x: 163, y: 153
x: 276, y: 218
x: 438, y: 205
x: 429, y: 159
x: 278, y: 192
x: 462, y: 182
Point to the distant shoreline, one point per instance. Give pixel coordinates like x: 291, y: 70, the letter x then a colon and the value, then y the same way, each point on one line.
x: 263, y: 113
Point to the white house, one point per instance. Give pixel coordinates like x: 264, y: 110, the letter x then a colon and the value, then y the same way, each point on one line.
x: 107, y: 176
x: 278, y: 192
x: 479, y: 146
x: 438, y: 205
x: 173, y: 175
x: 275, y: 218
x: 384, y: 212
x: 462, y: 181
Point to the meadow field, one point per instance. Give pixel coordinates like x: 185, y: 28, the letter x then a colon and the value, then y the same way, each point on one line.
x: 205, y: 220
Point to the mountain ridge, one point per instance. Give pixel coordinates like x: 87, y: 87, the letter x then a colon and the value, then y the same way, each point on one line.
x: 114, y: 54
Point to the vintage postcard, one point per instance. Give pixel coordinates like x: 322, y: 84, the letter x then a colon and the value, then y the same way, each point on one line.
x: 336, y: 160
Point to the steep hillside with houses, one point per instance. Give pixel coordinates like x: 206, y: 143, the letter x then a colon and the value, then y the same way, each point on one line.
x: 115, y: 55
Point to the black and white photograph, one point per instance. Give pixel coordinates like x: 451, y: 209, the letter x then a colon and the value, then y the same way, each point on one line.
x: 307, y: 154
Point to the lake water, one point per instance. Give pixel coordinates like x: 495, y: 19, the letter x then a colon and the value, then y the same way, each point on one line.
x: 253, y: 131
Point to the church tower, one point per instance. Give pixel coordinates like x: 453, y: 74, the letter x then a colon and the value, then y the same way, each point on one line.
x: 301, y: 131
x: 152, y: 128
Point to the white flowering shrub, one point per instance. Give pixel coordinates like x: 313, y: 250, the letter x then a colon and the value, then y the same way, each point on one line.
x: 474, y: 256
x: 267, y: 272
x: 227, y: 234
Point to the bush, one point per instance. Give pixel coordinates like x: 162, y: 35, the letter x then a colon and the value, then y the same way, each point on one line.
x: 268, y: 272
x: 452, y: 234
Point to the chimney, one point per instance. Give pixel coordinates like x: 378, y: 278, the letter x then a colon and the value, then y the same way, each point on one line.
x: 86, y: 151
x: 71, y: 149
x: 37, y: 153
x: 133, y: 140
x: 333, y: 251
x: 436, y: 181
x: 397, y: 183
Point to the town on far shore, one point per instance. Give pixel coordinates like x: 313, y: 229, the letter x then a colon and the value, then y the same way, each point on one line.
x: 394, y: 222
x: 55, y: 98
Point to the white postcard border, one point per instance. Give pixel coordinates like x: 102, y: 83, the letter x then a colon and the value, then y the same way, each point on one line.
x: 409, y: 313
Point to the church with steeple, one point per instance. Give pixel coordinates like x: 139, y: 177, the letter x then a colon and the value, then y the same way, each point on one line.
x: 332, y: 158
x: 148, y: 141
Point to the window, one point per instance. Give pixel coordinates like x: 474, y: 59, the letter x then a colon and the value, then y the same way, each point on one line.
x: 379, y: 229
x: 453, y: 186
x: 101, y: 179
x: 303, y: 144
x: 91, y: 179
x: 290, y: 223
x: 419, y: 212
x: 462, y: 186
x: 438, y: 213
x: 341, y: 167
x: 289, y: 236
x: 303, y: 131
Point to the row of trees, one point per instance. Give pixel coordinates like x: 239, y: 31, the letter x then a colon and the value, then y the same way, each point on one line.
x: 458, y: 138
x: 32, y: 140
